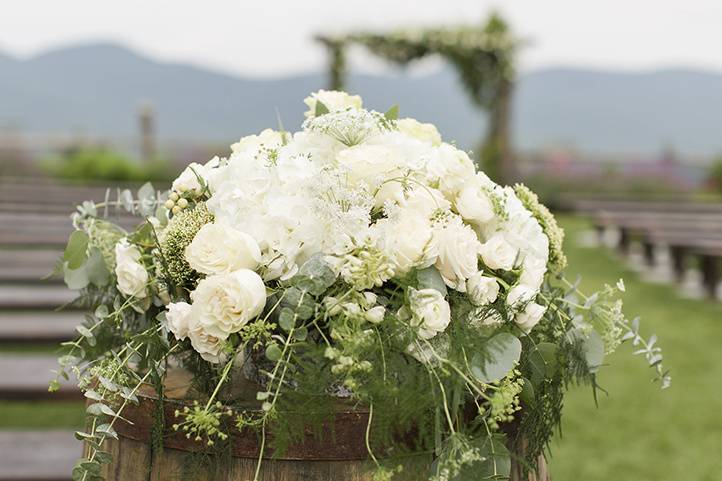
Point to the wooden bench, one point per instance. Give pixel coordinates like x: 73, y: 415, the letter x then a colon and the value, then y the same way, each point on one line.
x: 38, y: 455
x: 686, y: 228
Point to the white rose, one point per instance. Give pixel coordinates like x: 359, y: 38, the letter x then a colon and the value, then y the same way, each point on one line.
x: 408, y: 240
x: 131, y: 274
x: 473, y: 203
x: 451, y: 168
x: 178, y: 319
x: 458, y: 252
x: 219, y: 248
x: 207, y: 345
x: 497, y: 253
x: 532, y: 273
x: 370, y: 163
x: 334, y: 101
x: 530, y: 316
x: 224, y: 303
x: 482, y: 290
x: 520, y: 295
x: 429, y: 312
x: 420, y: 131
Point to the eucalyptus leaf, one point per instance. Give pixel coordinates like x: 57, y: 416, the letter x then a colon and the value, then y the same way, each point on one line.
x: 96, y: 269
x: 76, y: 251
x: 499, y: 356
x: 430, y: 278
x: 593, y: 349
x: 75, y: 279
x: 273, y: 353
x: 542, y: 362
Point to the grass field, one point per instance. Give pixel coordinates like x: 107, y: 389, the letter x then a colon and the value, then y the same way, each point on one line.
x: 638, y: 433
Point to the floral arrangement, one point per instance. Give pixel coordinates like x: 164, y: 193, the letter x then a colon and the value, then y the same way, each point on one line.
x: 360, y: 260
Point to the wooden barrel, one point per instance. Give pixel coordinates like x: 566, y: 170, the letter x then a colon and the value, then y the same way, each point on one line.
x: 341, y: 456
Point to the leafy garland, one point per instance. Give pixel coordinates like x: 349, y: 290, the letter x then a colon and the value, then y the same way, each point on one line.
x: 482, y: 56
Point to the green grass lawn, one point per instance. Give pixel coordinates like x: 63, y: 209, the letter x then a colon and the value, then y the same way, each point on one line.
x: 640, y: 433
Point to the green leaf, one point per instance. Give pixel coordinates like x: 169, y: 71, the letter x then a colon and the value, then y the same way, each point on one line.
x: 273, y: 353
x: 75, y: 279
x: 497, y: 460
x: 500, y: 355
x: 80, y: 436
x: 543, y: 362
x: 107, y: 430
x: 301, y: 333
x: 77, y: 249
x: 96, y: 270
x: 95, y: 409
x: 101, y: 312
x: 95, y: 396
x: 527, y: 392
x: 286, y: 319
x: 392, y: 113
x: 430, y: 278
x: 103, y: 458
x: 320, y: 109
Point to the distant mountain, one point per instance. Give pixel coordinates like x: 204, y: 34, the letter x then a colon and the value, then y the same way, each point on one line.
x: 99, y: 88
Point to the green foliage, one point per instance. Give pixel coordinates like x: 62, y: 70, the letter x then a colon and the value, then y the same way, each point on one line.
x: 99, y: 163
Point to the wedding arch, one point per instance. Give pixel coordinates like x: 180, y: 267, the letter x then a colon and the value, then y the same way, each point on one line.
x: 483, y: 57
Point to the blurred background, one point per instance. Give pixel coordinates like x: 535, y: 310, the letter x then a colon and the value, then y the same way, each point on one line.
x: 612, y: 113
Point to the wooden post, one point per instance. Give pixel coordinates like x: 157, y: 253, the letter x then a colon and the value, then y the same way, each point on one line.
x: 648, y: 249
x: 147, y: 133
x: 710, y: 273
x: 624, y: 240
x: 679, y: 265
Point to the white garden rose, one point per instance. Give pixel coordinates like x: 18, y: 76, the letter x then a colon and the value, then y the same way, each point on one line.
x: 450, y: 168
x: 497, y: 253
x: 224, y: 303
x: 178, y: 319
x: 458, y: 248
x: 250, y: 144
x: 420, y: 131
x: 530, y: 316
x: 408, y: 240
x: 429, y: 312
x: 205, y: 344
x: 372, y: 164
x: 334, y: 101
x: 218, y: 248
x: 473, y: 203
x: 131, y: 275
x: 520, y: 295
x: 482, y: 290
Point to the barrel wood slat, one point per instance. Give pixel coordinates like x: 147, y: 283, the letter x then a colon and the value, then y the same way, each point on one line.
x: 337, y: 457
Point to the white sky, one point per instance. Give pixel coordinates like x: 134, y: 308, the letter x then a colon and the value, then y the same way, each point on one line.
x: 272, y: 37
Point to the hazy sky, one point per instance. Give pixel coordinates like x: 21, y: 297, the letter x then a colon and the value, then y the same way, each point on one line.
x: 270, y: 37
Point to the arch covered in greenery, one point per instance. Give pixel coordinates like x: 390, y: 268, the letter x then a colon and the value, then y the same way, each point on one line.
x: 483, y: 57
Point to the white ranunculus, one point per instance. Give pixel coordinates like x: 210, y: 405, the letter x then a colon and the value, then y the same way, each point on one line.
x: 420, y: 131
x: 334, y: 101
x: 372, y: 164
x: 482, y: 290
x: 497, y: 253
x: 224, y: 303
x: 473, y: 203
x: 130, y: 273
x: 429, y: 312
x: 408, y: 240
x: 520, y: 295
x: 530, y: 316
x: 178, y: 319
x: 218, y: 249
x: 458, y: 252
